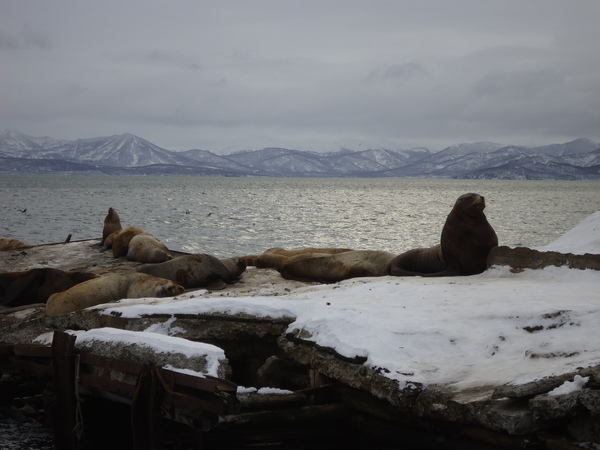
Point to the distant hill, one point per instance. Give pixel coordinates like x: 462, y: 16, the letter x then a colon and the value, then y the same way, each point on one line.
x: 129, y: 154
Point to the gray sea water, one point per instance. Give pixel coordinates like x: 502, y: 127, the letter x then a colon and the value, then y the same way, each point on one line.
x: 239, y: 216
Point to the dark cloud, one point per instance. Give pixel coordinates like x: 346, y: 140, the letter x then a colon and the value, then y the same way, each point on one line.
x: 25, y: 39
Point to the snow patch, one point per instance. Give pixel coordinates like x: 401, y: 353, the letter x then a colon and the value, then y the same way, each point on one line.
x: 569, y: 387
x: 583, y: 238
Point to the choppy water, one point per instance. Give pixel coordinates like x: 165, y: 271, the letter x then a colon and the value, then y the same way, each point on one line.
x: 236, y: 216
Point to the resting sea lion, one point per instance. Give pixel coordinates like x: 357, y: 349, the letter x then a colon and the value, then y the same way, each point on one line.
x: 467, y: 238
x: 330, y: 268
x: 194, y: 271
x: 36, y: 285
x: 145, y: 248
x: 235, y: 266
x: 112, y: 223
x: 276, y: 257
x: 109, y: 288
x: 120, y: 240
x: 9, y: 244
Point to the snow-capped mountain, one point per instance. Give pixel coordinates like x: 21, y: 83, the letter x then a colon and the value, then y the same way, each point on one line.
x: 124, y: 150
x: 129, y: 154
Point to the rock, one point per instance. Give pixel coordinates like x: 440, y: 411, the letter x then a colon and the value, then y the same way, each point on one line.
x: 144, y: 347
x: 593, y: 373
x: 590, y: 399
x: 546, y: 407
x: 526, y: 258
x: 350, y: 371
x: 585, y: 428
x: 513, y: 416
x: 532, y: 388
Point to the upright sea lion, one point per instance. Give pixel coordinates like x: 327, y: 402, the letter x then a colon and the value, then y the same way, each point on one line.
x: 36, y: 285
x: 333, y: 267
x: 200, y: 270
x: 109, y: 288
x: 467, y: 238
x: 112, y: 223
x: 145, y: 248
x: 121, y: 239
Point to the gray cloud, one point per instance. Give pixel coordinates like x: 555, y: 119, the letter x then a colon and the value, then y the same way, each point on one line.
x: 223, y: 75
x: 159, y: 58
x: 24, y: 39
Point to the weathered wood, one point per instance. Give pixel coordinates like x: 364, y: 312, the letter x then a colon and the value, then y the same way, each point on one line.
x: 64, y: 411
x: 255, y: 401
x: 321, y: 413
x: 146, y: 423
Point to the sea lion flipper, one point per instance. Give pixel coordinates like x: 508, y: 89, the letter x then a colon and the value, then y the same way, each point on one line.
x: 216, y: 285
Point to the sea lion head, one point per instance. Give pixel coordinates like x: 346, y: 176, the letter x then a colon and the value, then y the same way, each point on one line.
x: 235, y: 266
x: 169, y: 289
x: 470, y: 204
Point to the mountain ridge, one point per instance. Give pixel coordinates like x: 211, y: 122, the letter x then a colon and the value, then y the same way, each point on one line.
x: 131, y: 154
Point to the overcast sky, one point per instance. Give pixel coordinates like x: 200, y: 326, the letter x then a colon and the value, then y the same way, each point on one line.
x: 225, y: 75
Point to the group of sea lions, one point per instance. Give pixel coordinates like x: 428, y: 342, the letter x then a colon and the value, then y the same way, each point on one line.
x: 466, y: 240
x: 160, y: 276
x: 132, y: 242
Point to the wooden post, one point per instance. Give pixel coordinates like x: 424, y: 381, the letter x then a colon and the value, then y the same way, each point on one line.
x: 146, y: 423
x: 63, y: 417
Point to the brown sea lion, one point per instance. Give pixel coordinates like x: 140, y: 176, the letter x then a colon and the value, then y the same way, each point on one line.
x: 276, y: 257
x: 112, y: 223
x: 235, y: 266
x: 121, y: 239
x: 110, y: 288
x: 9, y: 244
x: 329, y: 268
x: 109, y: 240
x: 145, y: 248
x: 467, y: 238
x: 200, y: 270
x: 36, y: 285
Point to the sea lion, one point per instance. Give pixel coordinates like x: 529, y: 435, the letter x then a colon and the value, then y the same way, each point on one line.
x: 36, y: 285
x: 145, y: 248
x: 467, y: 238
x: 109, y: 240
x: 333, y: 267
x: 109, y: 288
x: 276, y: 257
x: 9, y: 244
x: 200, y: 270
x: 419, y: 261
x: 235, y: 266
x: 120, y: 240
x: 112, y: 223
